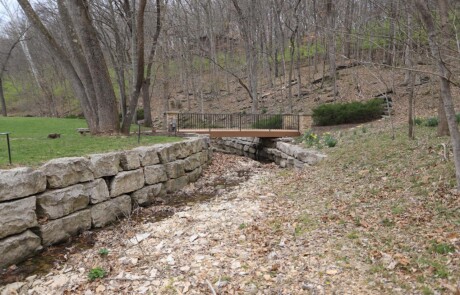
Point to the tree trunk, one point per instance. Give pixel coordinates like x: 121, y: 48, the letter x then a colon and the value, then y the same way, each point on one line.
x: 148, y: 75
x: 348, y: 28
x: 88, y: 74
x: 443, y: 128
x: 137, y: 60
x: 445, y: 90
x: 46, y: 91
x: 146, y: 103
x: 411, y: 104
x: 248, y: 27
x: 166, y: 93
x: 408, y: 48
x: 2, y: 99
x: 107, y: 111
x: 330, y: 10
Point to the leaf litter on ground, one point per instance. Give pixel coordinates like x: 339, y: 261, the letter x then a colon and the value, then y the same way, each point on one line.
x: 378, y: 216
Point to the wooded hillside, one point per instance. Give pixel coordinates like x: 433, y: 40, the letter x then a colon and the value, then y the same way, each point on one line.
x: 217, y: 55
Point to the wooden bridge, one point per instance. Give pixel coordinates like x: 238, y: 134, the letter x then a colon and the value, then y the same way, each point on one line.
x: 239, y: 125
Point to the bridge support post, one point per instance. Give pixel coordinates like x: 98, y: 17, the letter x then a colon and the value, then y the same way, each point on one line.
x: 172, y: 118
x: 305, y: 122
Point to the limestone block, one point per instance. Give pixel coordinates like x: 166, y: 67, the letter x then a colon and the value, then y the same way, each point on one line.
x: 197, y: 145
x: 63, y: 172
x: 173, y: 185
x: 17, y: 248
x: 163, y: 153
x: 17, y: 216
x: 109, y: 211
x: 60, y: 230
x: 105, y: 164
x: 20, y: 182
x: 210, y: 154
x: 129, y: 160
x: 97, y: 191
x: 155, y: 174
x: 194, y: 175
x: 148, y: 155
x: 192, y: 162
x: 184, y: 149
x: 204, y: 157
x: 205, y: 142
x: 288, y: 162
x: 175, y: 169
x: 126, y: 182
x: 310, y: 157
x: 238, y: 146
x: 168, y: 152
x: 146, y: 196
x: 57, y: 203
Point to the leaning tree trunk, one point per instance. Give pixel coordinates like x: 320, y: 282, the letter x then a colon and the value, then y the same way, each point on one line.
x: 88, y: 74
x: 444, y: 76
x: 107, y: 110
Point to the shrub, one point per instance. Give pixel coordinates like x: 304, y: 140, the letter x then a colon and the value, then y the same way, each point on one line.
x: 329, y: 140
x: 457, y: 118
x: 418, y: 121
x: 73, y: 116
x: 96, y: 273
x: 140, y: 114
x: 103, y: 252
x: 431, y: 122
x: 271, y: 122
x: 342, y: 113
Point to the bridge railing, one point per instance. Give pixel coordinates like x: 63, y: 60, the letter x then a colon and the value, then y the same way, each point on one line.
x: 196, y: 121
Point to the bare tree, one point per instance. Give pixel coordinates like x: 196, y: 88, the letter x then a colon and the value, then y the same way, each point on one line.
x: 4, y: 63
x: 436, y: 40
x: 150, y: 60
x: 248, y: 27
x: 84, y: 66
x: 331, y: 25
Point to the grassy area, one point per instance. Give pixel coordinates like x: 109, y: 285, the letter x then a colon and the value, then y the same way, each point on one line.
x: 30, y: 144
x: 387, y: 206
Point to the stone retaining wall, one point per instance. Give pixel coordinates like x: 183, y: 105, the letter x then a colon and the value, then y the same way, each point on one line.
x: 66, y: 196
x: 284, y: 154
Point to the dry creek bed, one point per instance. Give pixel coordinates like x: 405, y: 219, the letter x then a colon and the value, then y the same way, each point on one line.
x: 191, y: 242
x: 243, y: 228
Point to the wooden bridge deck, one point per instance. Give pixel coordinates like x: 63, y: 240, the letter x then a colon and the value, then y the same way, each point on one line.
x: 262, y: 133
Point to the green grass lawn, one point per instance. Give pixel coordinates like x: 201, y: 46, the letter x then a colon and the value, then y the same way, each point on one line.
x: 31, y: 146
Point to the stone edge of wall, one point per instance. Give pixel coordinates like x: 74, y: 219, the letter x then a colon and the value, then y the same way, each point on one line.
x: 65, y: 196
x: 280, y: 151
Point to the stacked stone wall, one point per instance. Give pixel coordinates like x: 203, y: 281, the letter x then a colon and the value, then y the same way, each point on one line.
x: 284, y: 154
x: 66, y: 196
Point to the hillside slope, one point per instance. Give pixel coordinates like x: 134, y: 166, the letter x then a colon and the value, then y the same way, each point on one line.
x: 356, y: 83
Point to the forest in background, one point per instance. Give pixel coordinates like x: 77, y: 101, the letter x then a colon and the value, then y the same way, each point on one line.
x: 201, y: 50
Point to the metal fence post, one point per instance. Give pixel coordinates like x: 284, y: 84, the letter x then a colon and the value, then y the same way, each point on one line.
x: 240, y: 121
